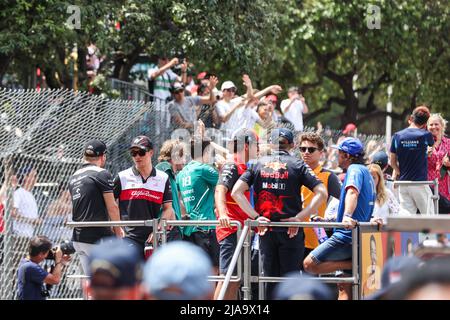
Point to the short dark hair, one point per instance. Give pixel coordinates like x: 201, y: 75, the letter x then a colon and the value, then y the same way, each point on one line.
x: 39, y: 244
x: 242, y: 137
x: 359, y: 159
x: 261, y: 104
x: 420, y: 115
x: 312, y: 137
x: 197, y: 144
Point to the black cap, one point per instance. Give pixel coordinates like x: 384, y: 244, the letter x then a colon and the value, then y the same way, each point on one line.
x: 142, y: 142
x: 281, y: 133
x: 380, y: 158
x: 95, y: 148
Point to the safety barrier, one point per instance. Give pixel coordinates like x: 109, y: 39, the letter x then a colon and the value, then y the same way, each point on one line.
x: 407, y: 224
x: 183, y: 223
x: 130, y: 223
x: 434, y: 197
x: 161, y: 234
x: 248, y: 279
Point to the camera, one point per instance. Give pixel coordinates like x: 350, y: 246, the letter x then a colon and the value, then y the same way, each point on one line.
x: 66, y: 248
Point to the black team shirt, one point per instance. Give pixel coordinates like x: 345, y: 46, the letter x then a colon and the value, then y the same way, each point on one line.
x: 277, y: 180
x: 87, y: 186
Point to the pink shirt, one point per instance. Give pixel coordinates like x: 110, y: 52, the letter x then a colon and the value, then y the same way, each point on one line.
x: 435, y: 163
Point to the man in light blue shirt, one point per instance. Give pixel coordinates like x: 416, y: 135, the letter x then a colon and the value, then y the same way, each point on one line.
x: 357, y: 201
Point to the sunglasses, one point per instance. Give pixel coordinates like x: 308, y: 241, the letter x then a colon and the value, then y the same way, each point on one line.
x: 231, y: 90
x: 310, y: 149
x: 140, y: 152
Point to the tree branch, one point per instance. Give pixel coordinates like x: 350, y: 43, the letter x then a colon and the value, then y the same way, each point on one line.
x: 326, y: 108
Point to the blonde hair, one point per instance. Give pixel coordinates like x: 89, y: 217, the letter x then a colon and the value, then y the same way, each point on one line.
x: 382, y: 194
x: 171, y: 148
x: 441, y: 120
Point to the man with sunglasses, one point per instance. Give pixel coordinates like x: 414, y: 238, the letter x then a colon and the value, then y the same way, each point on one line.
x: 91, y: 188
x: 311, y: 149
x: 183, y: 109
x: 142, y: 190
x: 357, y: 200
x: 277, y: 180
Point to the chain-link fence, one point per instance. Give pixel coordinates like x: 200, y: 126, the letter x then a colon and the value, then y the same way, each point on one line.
x: 42, y: 134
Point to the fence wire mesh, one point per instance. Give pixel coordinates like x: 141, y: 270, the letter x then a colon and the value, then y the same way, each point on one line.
x: 42, y: 134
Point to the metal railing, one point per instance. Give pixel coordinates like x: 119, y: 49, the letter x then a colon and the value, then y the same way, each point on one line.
x: 184, y: 223
x: 244, y: 242
x: 354, y: 279
x: 130, y: 223
x: 434, y: 183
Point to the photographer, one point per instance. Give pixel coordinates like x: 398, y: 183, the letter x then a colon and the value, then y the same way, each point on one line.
x: 32, y: 277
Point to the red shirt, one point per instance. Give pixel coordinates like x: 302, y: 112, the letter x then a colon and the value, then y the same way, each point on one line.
x: 229, y: 174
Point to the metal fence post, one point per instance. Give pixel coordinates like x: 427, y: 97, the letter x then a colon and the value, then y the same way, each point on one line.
x: 261, y: 286
x: 247, y: 288
x: 164, y: 232
x: 436, y: 196
x: 155, y: 223
x: 356, y: 264
x: 8, y: 246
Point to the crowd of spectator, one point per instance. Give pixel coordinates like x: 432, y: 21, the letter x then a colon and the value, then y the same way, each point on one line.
x: 265, y: 168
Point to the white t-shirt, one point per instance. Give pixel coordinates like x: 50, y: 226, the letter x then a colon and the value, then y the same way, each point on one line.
x: 234, y: 122
x: 250, y: 117
x: 294, y: 114
x: 26, y: 205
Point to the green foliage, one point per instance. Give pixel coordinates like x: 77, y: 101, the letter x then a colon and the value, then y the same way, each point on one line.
x: 324, y: 46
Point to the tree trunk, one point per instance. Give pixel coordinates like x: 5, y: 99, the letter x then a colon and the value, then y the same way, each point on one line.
x: 5, y: 60
x: 129, y: 63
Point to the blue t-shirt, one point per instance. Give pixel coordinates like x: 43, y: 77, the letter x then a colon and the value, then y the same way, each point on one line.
x: 410, y: 146
x: 30, y: 279
x: 359, y: 177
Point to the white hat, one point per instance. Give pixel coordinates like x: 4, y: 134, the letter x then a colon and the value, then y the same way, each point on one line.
x: 227, y: 85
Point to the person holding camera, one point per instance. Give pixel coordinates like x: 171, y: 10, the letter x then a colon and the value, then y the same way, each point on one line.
x: 32, y: 277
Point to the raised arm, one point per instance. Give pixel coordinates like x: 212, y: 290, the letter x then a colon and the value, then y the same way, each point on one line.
x: 211, y: 99
x: 163, y: 69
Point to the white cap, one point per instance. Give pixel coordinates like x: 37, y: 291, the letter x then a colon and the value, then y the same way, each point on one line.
x: 227, y: 85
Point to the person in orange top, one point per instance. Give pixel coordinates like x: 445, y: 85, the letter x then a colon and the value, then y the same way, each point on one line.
x: 311, y: 149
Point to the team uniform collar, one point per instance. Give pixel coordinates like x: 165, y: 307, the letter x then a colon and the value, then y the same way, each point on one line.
x: 137, y: 173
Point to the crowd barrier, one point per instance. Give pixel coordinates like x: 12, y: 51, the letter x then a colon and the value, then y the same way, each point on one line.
x: 425, y: 224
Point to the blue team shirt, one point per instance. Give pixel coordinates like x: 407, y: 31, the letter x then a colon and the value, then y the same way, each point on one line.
x: 410, y: 146
x: 357, y: 176
x: 30, y: 280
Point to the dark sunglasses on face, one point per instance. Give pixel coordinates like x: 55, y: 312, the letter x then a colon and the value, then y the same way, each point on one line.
x: 140, y: 152
x: 310, y: 149
x: 231, y: 90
